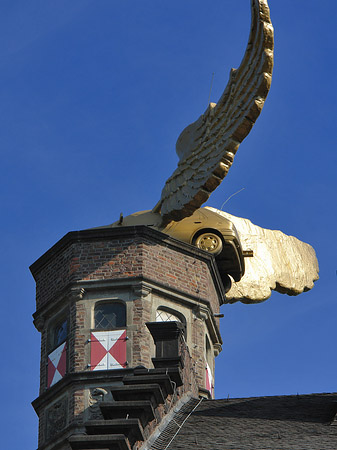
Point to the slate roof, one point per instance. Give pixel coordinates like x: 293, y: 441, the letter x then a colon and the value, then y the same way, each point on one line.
x: 298, y: 422
x: 176, y: 421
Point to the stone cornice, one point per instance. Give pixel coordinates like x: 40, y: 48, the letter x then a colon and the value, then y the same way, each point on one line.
x: 139, y: 285
x: 101, y: 376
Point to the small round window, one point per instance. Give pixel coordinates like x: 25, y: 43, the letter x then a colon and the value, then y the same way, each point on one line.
x: 110, y: 315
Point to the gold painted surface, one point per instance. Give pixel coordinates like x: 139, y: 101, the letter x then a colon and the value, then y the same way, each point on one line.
x: 206, y: 148
x: 281, y: 263
x: 201, y: 229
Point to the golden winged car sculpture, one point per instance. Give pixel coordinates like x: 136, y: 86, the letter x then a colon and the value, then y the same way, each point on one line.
x: 207, y: 147
x: 206, y: 151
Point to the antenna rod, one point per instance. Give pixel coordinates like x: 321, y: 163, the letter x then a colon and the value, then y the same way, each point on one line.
x: 210, y: 90
x: 231, y: 197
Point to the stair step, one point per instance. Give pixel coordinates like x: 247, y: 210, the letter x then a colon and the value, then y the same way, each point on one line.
x: 173, y: 372
x: 149, y: 391
x: 131, y: 428
x: 163, y: 380
x: 106, y: 441
x: 135, y: 409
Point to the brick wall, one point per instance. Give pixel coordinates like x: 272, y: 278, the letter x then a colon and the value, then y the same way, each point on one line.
x: 141, y: 339
x: 198, y: 351
x: 115, y: 259
x: 101, y: 259
x: 142, y: 256
x: 78, y: 339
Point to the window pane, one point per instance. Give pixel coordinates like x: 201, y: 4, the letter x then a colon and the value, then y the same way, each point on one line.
x: 165, y: 316
x: 110, y: 315
x: 60, y: 333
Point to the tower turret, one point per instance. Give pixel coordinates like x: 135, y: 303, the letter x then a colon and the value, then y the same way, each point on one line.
x: 128, y: 329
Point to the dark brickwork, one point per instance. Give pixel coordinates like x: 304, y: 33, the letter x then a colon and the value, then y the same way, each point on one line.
x: 122, y: 258
x: 78, y: 362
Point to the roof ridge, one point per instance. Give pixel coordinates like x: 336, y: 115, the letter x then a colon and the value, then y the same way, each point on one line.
x: 297, y: 395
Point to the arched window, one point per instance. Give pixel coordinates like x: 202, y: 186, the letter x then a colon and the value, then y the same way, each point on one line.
x: 164, y: 314
x: 208, y: 369
x: 110, y: 315
x: 109, y: 339
x: 57, y: 355
x: 57, y: 332
x: 209, y: 356
x: 60, y: 332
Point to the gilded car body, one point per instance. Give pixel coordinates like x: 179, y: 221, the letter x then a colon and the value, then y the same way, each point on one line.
x: 206, y: 230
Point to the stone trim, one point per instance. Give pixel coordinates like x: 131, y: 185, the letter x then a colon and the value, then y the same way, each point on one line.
x: 140, y: 286
x: 74, y: 378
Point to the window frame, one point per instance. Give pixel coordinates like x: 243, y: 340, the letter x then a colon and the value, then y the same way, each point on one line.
x: 181, y: 318
x: 178, y: 314
x: 106, y: 332
x: 51, y: 344
x: 109, y: 302
x: 55, y: 323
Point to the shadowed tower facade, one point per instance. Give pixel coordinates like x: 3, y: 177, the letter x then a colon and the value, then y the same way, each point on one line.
x: 128, y: 327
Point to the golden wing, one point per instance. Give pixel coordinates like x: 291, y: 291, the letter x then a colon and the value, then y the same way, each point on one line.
x: 280, y: 263
x: 206, y: 148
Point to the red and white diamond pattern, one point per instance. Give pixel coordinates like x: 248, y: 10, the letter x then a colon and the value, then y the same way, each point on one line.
x: 209, y: 380
x: 108, y: 350
x: 57, y: 364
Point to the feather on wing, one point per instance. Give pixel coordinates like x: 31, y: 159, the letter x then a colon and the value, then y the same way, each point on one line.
x: 207, y: 147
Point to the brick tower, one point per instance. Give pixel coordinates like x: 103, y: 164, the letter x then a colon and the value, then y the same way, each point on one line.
x: 128, y: 327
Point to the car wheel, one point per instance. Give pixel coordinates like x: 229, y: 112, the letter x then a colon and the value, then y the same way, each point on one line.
x: 209, y: 241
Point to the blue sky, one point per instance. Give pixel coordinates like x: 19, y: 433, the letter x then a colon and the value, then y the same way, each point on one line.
x: 93, y: 97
